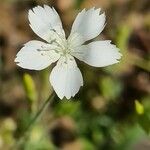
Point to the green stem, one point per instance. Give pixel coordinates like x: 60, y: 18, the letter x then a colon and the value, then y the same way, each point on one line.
x: 40, y: 112
x: 34, y: 120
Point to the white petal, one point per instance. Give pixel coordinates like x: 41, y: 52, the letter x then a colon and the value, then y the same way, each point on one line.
x: 44, y: 21
x: 98, y: 54
x: 66, y: 78
x: 89, y: 24
x: 75, y: 40
x: 32, y: 57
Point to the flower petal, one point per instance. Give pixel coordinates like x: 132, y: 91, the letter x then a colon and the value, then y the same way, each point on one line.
x: 33, y: 55
x: 66, y: 77
x: 44, y: 21
x: 98, y: 53
x: 89, y: 24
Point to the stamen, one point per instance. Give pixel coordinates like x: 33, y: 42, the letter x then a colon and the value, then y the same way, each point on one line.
x: 77, y: 52
x: 55, y: 40
x: 42, y: 50
x: 71, y: 59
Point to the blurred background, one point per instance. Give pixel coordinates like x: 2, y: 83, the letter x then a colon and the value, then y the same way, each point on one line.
x: 112, y: 109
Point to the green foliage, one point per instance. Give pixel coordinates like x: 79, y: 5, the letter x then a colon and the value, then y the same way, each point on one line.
x: 38, y: 141
x: 122, y: 37
x: 144, y: 118
x: 87, y: 145
x: 29, y: 88
x: 139, y: 107
x: 78, y: 3
x: 69, y: 108
x: 110, y: 88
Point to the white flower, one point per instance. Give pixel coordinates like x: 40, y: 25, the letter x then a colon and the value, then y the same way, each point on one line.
x: 66, y: 77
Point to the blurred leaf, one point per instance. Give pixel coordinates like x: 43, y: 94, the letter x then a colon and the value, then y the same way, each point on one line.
x: 66, y: 107
x: 144, y: 122
x: 110, y: 88
x: 78, y: 3
x: 105, y: 121
x: 139, y: 107
x: 29, y: 88
x: 144, y: 119
x: 146, y: 103
x: 97, y: 136
x: 122, y: 39
x: 7, y: 128
x: 44, y: 84
x: 131, y: 135
x: 38, y: 140
x: 23, y: 121
x: 142, y: 63
x: 87, y: 145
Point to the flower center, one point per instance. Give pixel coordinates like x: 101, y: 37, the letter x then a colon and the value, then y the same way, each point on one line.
x: 60, y: 45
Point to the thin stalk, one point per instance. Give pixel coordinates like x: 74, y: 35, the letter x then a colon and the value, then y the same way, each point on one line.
x: 34, y: 120
x: 40, y: 112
